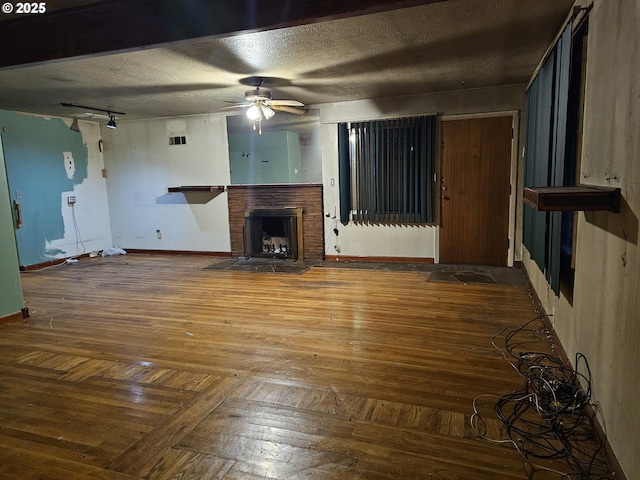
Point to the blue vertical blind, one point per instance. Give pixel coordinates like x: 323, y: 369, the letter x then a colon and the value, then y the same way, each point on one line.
x: 545, y: 151
x: 386, y: 170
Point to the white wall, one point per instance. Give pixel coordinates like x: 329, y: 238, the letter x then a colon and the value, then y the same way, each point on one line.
x: 90, y: 229
x: 604, y: 321
x: 141, y: 165
x: 393, y: 241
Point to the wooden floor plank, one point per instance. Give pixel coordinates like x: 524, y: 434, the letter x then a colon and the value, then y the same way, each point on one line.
x: 140, y: 458
x: 153, y: 367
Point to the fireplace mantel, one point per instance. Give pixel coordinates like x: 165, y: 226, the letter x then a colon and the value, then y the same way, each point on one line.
x: 271, y: 186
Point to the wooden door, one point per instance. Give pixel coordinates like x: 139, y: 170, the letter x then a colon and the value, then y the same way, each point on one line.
x: 475, y: 177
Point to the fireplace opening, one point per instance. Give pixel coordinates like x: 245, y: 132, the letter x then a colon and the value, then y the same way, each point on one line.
x: 273, y: 233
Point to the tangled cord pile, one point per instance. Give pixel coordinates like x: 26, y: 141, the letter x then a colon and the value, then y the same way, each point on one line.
x: 548, y: 419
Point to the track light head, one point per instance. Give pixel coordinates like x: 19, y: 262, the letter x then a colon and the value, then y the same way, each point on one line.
x: 111, y: 113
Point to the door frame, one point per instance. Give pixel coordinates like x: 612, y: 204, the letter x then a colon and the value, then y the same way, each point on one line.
x: 513, y: 176
x: 12, y: 199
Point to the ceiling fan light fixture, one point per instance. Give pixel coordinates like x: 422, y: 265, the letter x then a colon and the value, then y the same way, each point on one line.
x: 254, y: 112
x: 260, y: 106
x: 257, y: 95
x: 267, y: 112
x: 112, y: 122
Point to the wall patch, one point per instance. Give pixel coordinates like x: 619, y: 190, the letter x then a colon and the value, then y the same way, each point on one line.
x: 69, y: 164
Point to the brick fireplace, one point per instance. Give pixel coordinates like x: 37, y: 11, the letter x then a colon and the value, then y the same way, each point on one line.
x: 298, y: 205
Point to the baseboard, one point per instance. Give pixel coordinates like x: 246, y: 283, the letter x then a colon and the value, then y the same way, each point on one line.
x: 177, y: 252
x: 348, y: 258
x: 14, y: 317
x: 612, y: 460
x: 59, y: 261
x: 49, y: 263
x: 537, y: 303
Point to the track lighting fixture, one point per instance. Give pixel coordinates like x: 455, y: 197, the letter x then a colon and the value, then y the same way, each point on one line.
x: 112, y: 115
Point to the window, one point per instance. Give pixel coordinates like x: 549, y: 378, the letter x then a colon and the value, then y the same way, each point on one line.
x: 552, y: 155
x: 386, y: 171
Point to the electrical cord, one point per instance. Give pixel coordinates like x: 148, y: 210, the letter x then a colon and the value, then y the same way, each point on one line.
x: 334, y: 232
x: 547, y: 420
x: 77, y: 232
x: 79, y: 242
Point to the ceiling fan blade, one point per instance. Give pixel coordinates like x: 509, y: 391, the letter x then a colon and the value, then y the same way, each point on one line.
x: 287, y: 103
x: 232, y: 107
x: 288, y: 109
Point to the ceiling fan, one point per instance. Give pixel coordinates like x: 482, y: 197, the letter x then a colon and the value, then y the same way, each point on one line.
x: 261, y: 106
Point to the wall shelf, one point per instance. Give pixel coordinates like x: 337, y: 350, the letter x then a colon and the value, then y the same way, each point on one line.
x: 573, y: 198
x: 198, y: 193
x: 197, y: 188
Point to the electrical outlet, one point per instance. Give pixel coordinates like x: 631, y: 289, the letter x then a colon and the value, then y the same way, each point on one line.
x: 71, y: 200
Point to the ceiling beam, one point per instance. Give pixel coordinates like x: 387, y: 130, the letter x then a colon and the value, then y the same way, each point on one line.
x: 124, y: 25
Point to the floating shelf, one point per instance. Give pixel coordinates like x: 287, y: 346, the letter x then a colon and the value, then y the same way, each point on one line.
x: 198, y: 193
x: 573, y: 198
x: 197, y: 188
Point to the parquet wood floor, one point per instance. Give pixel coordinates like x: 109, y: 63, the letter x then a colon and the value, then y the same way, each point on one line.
x: 151, y: 367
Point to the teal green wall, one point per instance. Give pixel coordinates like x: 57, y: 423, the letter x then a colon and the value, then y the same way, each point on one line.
x: 11, y: 300
x: 33, y: 151
x: 294, y: 157
x: 273, y: 157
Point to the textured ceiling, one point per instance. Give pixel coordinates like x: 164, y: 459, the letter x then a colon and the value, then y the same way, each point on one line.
x: 447, y: 45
